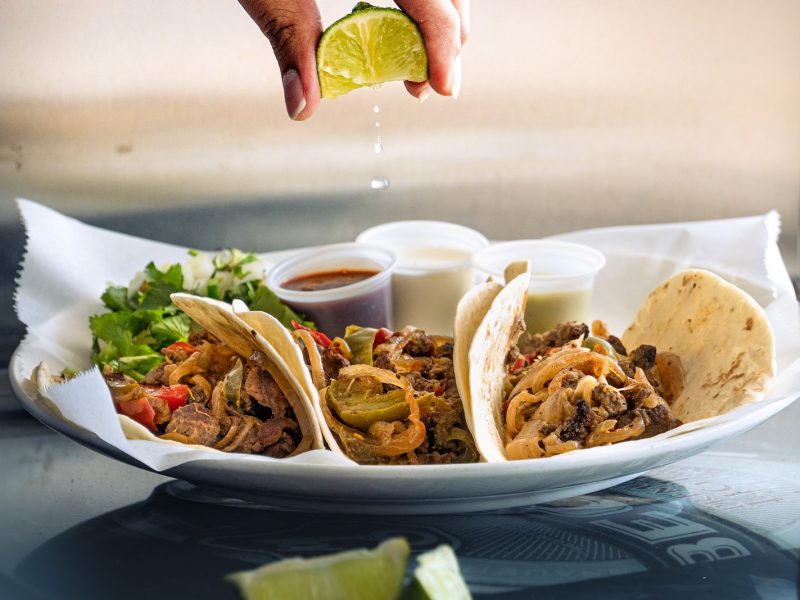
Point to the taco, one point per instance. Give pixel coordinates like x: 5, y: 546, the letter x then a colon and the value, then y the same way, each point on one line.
x: 698, y: 347
x: 381, y: 397
x: 224, y: 388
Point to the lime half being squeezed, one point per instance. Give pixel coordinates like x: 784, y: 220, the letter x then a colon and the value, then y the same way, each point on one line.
x: 370, y: 46
x: 375, y: 574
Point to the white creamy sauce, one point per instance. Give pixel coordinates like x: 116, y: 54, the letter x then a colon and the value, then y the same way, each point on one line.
x: 430, y: 256
x: 427, y: 285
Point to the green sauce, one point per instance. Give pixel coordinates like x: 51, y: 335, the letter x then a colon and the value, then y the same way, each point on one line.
x: 546, y: 310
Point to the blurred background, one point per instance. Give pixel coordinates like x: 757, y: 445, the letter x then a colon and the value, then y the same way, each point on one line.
x: 165, y: 119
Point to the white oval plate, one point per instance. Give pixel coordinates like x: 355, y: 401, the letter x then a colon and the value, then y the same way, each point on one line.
x: 422, y: 489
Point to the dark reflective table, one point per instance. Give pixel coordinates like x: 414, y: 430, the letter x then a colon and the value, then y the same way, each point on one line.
x: 723, y: 524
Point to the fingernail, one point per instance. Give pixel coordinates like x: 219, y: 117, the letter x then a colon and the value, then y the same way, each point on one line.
x: 293, y: 93
x: 424, y: 94
x: 455, y: 78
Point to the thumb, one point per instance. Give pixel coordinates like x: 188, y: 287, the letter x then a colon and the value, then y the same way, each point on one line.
x: 293, y: 27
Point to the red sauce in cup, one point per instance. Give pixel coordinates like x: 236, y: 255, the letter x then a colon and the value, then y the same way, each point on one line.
x: 327, y: 280
x: 338, y: 285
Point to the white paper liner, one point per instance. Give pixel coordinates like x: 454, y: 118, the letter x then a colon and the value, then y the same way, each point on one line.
x: 68, y: 265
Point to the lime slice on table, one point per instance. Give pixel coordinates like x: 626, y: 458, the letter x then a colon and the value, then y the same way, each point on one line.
x: 370, y: 46
x: 437, y: 577
x: 366, y: 574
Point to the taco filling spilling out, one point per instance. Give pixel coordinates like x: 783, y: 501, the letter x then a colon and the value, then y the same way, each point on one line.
x: 572, y: 390
x: 390, y: 397
x: 207, y: 394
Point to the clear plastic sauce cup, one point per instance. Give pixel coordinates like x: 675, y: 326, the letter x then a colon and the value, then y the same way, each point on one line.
x: 562, y: 278
x: 365, y: 297
x: 434, y: 269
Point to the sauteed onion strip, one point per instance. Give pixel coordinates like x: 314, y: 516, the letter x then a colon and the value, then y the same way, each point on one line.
x: 317, y: 370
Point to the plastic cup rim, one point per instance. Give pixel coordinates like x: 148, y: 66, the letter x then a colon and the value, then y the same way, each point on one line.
x: 596, y: 262
x: 477, y: 243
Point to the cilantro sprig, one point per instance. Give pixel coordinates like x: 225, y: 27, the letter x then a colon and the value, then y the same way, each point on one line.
x: 143, y: 320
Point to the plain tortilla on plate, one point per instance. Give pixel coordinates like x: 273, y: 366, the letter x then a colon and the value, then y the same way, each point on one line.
x: 722, y: 336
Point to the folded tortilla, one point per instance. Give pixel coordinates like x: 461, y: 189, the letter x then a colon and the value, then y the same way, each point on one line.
x: 219, y: 319
x: 269, y: 328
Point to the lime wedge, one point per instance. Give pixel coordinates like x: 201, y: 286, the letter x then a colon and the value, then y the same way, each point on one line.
x: 367, y: 574
x: 370, y: 46
x: 438, y: 577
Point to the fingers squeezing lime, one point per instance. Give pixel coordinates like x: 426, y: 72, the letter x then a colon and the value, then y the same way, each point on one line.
x: 370, y: 46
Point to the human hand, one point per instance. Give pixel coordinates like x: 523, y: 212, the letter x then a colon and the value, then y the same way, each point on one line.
x: 294, y: 27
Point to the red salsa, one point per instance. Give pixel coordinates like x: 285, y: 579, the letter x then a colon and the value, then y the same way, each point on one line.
x: 327, y: 280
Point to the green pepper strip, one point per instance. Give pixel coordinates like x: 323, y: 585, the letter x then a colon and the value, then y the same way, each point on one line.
x: 402, y: 443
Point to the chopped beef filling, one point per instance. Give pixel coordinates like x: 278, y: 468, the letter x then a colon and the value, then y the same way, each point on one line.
x: 332, y: 363
x: 155, y: 376
x: 590, y: 398
x: 610, y: 398
x: 561, y: 334
x: 617, y: 345
x: 426, y: 362
x: 644, y: 357
x: 258, y: 419
x: 265, y: 392
x: 580, y: 425
x: 419, y: 344
x: 283, y: 447
x: 571, y: 379
x: 195, y: 422
x: 656, y: 420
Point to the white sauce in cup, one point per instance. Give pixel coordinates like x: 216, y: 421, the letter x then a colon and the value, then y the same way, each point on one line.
x: 434, y: 270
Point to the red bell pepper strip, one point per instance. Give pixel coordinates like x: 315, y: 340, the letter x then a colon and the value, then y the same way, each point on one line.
x: 185, y: 346
x: 518, y: 364
x: 523, y: 361
x: 139, y: 410
x: 381, y: 336
x: 174, y: 395
x: 319, y: 337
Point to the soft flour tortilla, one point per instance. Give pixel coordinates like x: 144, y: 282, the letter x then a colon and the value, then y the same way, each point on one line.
x: 497, y: 331
x: 471, y: 310
x: 272, y: 330
x: 721, y: 335
x: 219, y: 319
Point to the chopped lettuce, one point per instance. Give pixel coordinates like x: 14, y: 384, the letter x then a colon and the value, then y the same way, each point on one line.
x: 115, y: 297
x: 157, y: 286
x: 114, y: 344
x: 171, y: 329
x: 142, y: 319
